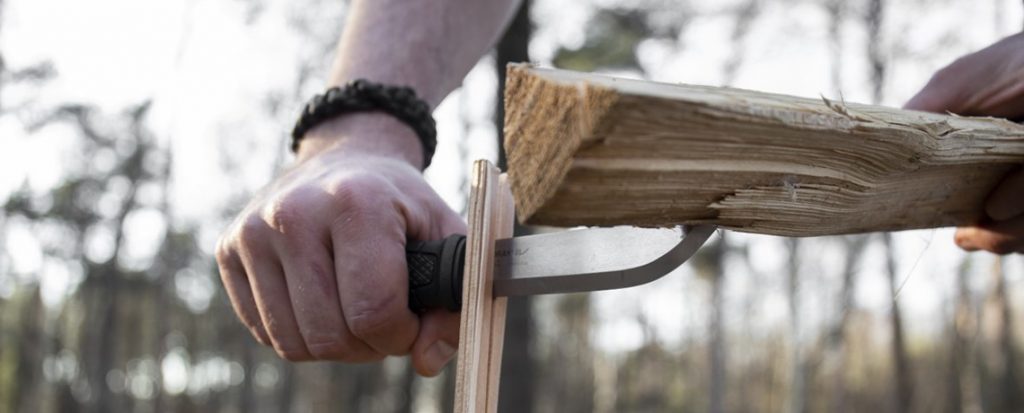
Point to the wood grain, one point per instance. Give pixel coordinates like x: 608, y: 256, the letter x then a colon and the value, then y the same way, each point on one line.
x: 585, y: 149
x: 491, y: 217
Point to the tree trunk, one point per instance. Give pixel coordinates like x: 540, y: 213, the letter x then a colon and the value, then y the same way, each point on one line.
x: 874, y: 18
x: 796, y: 400
x: 286, y: 387
x: 963, y: 383
x: 407, y: 397
x: 10, y: 351
x: 513, y: 47
x: 102, y: 293
x: 835, y: 339
x: 247, y: 391
x: 717, y: 343
x: 26, y: 383
x: 1001, y: 355
x: 837, y: 336
x: 708, y: 264
x: 448, y: 386
x: 836, y: 11
x: 572, y: 371
x: 3, y: 64
x: 516, y: 392
x: 904, y: 378
x: 160, y: 310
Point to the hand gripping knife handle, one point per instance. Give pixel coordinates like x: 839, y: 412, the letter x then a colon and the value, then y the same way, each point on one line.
x: 435, y: 273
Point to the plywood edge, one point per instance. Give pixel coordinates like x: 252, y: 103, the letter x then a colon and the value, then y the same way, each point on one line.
x: 483, y: 315
x: 504, y: 224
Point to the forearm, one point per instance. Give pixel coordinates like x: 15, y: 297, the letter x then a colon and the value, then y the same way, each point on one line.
x: 428, y: 45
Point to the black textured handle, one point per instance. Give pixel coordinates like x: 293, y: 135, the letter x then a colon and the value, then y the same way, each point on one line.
x: 435, y: 273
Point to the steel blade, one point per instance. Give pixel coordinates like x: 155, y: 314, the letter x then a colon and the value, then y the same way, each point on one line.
x: 592, y: 259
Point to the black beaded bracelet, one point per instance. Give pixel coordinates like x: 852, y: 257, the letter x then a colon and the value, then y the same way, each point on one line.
x: 363, y: 96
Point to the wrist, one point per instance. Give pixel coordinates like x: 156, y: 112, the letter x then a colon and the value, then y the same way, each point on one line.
x: 374, y: 133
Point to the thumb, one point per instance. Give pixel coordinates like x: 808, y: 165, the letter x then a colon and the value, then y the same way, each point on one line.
x: 437, y: 341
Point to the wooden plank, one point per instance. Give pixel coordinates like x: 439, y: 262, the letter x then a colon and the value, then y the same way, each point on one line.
x: 592, y: 150
x: 482, y: 333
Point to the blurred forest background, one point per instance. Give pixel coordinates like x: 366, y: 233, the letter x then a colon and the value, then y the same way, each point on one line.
x: 131, y: 132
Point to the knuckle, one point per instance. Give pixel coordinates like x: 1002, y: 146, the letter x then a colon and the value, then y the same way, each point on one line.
x: 223, y: 252
x: 255, y: 326
x: 374, y: 317
x: 285, y: 213
x: 257, y: 333
x: 252, y: 228
x: 1002, y: 246
x: 326, y: 351
x: 962, y: 239
x: 330, y: 350
x: 343, y: 352
x: 361, y: 192
x: 293, y: 354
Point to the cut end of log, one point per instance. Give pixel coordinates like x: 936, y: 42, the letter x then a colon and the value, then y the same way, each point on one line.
x: 591, y: 150
x: 546, y: 123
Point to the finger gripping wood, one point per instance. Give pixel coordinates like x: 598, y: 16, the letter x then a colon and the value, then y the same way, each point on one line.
x: 491, y: 216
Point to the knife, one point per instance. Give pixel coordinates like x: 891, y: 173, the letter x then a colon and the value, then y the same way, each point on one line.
x: 580, y: 260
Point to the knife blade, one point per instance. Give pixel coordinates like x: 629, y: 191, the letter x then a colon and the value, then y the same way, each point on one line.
x: 562, y: 262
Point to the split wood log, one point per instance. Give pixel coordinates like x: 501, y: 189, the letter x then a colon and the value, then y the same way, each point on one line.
x: 585, y: 149
x: 482, y: 333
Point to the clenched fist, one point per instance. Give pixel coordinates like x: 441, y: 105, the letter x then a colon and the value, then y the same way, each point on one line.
x: 987, y: 83
x: 315, y: 264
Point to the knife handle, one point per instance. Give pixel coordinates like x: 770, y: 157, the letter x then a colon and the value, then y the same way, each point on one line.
x: 435, y: 273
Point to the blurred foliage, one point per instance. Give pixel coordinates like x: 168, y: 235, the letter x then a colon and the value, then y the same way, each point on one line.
x: 611, y: 40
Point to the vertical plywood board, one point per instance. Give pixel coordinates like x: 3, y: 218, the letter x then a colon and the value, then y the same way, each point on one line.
x: 491, y: 215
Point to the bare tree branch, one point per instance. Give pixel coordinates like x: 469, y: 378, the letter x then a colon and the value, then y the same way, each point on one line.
x: 873, y: 19
x: 745, y: 16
